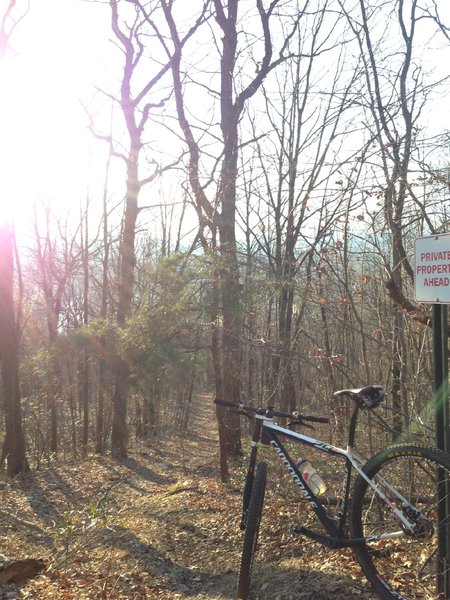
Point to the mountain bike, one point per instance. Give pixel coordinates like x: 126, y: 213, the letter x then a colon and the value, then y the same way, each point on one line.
x: 392, y: 517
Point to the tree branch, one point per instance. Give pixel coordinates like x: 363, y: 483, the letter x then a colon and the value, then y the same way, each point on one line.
x: 412, y: 309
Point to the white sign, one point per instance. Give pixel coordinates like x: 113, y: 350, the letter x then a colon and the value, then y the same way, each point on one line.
x: 432, y: 269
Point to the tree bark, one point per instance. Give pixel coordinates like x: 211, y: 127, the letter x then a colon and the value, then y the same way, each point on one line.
x: 13, y: 450
x: 119, y: 434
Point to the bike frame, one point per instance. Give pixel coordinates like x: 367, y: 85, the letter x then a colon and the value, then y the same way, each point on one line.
x: 267, y: 432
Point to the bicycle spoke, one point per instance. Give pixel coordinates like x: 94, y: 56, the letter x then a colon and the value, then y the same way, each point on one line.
x: 403, y: 561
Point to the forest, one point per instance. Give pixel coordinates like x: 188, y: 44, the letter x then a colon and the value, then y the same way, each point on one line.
x: 263, y: 170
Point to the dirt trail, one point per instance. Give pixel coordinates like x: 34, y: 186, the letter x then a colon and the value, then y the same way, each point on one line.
x: 160, y: 525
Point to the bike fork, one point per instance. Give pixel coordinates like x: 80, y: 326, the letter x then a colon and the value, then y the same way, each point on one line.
x: 249, y: 478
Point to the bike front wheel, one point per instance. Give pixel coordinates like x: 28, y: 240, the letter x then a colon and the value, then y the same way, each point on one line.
x: 400, y: 554
x: 252, y: 530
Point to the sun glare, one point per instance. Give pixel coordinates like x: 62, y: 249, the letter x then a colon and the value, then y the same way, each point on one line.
x: 45, y: 146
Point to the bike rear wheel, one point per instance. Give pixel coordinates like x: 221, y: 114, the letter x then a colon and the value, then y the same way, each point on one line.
x: 406, y: 564
x: 252, y: 530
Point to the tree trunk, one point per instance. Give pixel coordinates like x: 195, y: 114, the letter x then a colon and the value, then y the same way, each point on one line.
x: 102, y: 366
x: 100, y: 416
x: 14, y: 443
x: 84, y: 370
x: 119, y: 435
x: 230, y: 287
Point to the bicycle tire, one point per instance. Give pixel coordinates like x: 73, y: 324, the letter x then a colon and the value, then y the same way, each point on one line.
x: 404, y: 568
x: 252, y: 530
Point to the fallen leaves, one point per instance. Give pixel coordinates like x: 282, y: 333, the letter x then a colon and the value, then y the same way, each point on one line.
x: 161, y: 526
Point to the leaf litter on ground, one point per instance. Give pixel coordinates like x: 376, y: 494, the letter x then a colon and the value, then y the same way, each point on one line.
x: 160, y: 525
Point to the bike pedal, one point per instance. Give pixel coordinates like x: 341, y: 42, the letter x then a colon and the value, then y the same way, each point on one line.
x: 297, y: 530
x: 380, y: 553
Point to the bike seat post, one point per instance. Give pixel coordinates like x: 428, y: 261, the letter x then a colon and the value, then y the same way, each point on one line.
x: 352, y: 427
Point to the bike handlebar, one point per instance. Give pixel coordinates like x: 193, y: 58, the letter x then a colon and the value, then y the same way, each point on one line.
x: 269, y: 411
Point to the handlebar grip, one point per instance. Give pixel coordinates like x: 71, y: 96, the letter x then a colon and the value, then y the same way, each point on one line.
x: 315, y: 419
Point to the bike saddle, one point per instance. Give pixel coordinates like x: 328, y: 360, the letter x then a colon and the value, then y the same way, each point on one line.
x: 369, y: 396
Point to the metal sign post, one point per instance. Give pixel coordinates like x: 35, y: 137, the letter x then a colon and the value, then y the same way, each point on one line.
x: 440, y: 346
x: 432, y: 284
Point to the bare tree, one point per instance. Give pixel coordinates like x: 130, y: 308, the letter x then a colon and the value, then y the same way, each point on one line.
x: 13, y: 449
x: 395, y: 103
x: 132, y: 25
x: 84, y: 384
x: 57, y: 257
x: 9, y: 21
x: 299, y: 202
x: 218, y: 210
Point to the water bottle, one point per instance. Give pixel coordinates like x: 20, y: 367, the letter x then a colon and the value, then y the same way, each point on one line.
x: 312, y: 477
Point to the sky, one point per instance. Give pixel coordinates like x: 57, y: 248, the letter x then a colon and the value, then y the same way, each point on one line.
x: 60, y: 51
x: 46, y: 151
x: 61, y: 55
